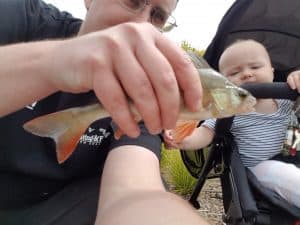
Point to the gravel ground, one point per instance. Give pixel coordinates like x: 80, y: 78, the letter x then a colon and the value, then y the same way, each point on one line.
x: 211, y: 205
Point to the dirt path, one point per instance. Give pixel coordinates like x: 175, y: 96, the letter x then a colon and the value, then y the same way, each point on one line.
x: 211, y: 205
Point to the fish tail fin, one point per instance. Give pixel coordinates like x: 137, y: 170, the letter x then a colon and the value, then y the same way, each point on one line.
x: 62, y: 127
x: 67, y: 142
x: 184, y: 129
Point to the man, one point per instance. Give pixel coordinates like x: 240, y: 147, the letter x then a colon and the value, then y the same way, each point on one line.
x: 128, y: 57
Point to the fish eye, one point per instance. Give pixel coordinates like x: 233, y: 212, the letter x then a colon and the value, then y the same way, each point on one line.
x: 242, y: 93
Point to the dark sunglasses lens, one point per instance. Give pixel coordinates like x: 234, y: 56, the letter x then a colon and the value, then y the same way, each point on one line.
x: 158, y: 17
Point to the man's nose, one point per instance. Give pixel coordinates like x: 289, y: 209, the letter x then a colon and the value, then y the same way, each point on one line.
x: 144, y: 15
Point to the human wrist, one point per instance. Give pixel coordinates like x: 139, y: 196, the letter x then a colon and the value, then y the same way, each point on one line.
x: 51, y: 71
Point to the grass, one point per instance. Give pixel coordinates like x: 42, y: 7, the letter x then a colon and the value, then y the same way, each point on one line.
x: 175, y: 174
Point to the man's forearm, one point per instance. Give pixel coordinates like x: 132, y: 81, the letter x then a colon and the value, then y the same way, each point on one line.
x: 24, y: 75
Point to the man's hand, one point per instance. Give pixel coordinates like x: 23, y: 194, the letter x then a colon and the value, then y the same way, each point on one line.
x: 129, y: 60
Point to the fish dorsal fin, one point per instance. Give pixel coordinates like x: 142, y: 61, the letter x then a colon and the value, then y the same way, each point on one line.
x: 198, y: 61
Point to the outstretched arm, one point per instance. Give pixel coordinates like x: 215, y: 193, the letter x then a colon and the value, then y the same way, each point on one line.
x: 23, y: 77
x: 132, y: 192
x: 130, y: 59
x: 200, y: 138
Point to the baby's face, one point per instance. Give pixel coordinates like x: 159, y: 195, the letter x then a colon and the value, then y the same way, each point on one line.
x: 245, y: 62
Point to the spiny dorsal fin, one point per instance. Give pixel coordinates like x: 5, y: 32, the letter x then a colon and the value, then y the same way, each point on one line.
x: 199, y: 61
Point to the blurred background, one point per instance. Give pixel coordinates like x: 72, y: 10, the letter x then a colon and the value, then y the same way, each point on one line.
x: 197, y: 19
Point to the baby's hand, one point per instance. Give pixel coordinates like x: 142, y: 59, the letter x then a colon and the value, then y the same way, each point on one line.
x: 293, y: 80
x: 169, y: 140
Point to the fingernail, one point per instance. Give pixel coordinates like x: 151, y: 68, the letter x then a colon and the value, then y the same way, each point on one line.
x: 155, y: 131
x: 135, y: 133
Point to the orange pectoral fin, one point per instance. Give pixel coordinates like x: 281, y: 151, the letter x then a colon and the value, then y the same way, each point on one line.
x: 183, y: 129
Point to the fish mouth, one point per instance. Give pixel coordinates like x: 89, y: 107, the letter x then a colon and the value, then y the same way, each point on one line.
x: 249, y: 101
x: 243, y: 93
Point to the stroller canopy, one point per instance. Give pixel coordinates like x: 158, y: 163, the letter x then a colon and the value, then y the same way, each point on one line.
x: 274, y: 23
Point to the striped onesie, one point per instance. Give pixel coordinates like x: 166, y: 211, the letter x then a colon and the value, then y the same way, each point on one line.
x: 259, y: 137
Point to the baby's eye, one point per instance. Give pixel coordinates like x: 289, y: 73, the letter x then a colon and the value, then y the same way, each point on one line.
x: 255, y: 67
x: 231, y: 74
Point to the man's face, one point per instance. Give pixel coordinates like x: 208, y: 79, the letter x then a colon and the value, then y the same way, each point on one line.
x: 106, y: 13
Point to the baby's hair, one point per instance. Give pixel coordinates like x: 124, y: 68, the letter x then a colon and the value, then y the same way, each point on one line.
x: 237, y: 41
x: 245, y: 40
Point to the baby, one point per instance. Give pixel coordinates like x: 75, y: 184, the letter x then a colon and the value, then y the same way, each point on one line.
x: 259, y: 135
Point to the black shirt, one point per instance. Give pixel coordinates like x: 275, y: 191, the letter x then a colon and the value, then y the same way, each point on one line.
x: 29, y: 20
x: 28, y: 165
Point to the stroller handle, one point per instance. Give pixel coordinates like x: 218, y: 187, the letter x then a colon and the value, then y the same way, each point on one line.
x: 278, y: 90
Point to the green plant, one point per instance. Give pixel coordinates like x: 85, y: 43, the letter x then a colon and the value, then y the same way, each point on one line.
x: 187, y: 47
x: 175, y: 174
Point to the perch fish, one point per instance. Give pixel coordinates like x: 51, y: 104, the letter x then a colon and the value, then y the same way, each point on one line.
x: 221, y: 98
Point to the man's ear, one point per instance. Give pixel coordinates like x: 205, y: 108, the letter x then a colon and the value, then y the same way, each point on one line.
x: 87, y: 3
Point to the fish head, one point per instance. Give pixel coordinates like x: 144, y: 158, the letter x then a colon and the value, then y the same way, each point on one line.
x: 230, y: 100
x: 221, y: 98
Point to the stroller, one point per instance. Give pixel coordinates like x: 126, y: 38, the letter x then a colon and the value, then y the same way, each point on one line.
x: 276, y: 24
